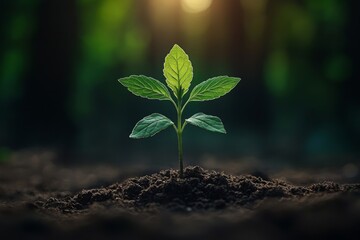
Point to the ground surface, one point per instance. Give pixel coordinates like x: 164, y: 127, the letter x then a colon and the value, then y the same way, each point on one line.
x: 41, y: 199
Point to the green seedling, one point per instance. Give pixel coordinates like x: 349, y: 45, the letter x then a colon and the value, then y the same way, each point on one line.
x: 178, y: 72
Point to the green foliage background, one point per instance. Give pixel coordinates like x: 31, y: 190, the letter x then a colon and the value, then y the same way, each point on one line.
x: 298, y: 60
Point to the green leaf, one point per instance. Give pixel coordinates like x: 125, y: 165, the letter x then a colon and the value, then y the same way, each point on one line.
x: 178, y: 71
x: 146, y: 87
x: 150, y: 125
x: 208, y: 122
x: 213, y: 88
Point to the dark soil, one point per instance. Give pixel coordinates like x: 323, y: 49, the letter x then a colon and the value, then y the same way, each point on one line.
x: 37, y: 202
x: 199, y: 190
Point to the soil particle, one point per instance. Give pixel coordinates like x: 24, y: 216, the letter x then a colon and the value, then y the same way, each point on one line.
x: 325, y: 187
x: 86, y: 197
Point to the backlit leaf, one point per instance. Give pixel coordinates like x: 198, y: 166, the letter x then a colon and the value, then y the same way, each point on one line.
x: 178, y: 71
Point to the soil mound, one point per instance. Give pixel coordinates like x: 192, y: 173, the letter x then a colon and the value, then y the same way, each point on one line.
x: 198, y: 190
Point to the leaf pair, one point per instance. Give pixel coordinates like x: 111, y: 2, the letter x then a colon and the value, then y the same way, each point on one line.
x: 178, y: 72
x: 154, y: 123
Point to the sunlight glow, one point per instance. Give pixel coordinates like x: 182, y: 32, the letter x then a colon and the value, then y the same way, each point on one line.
x: 195, y: 6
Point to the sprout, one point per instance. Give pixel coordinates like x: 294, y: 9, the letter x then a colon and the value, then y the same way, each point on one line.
x: 178, y: 72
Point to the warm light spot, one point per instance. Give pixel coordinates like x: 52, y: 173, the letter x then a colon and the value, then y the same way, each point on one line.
x: 195, y: 6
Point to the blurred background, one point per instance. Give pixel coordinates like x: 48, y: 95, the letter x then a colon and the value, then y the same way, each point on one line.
x: 297, y: 104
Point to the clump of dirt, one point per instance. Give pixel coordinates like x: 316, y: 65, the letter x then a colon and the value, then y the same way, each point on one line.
x: 198, y: 190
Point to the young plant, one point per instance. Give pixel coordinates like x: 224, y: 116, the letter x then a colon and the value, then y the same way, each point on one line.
x: 178, y: 72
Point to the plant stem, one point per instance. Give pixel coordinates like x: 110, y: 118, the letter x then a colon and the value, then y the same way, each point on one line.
x: 180, y: 147
x: 179, y: 135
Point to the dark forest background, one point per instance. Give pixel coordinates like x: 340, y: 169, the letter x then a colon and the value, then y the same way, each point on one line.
x: 298, y: 101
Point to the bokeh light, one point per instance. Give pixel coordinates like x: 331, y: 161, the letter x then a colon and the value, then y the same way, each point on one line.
x: 195, y: 6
